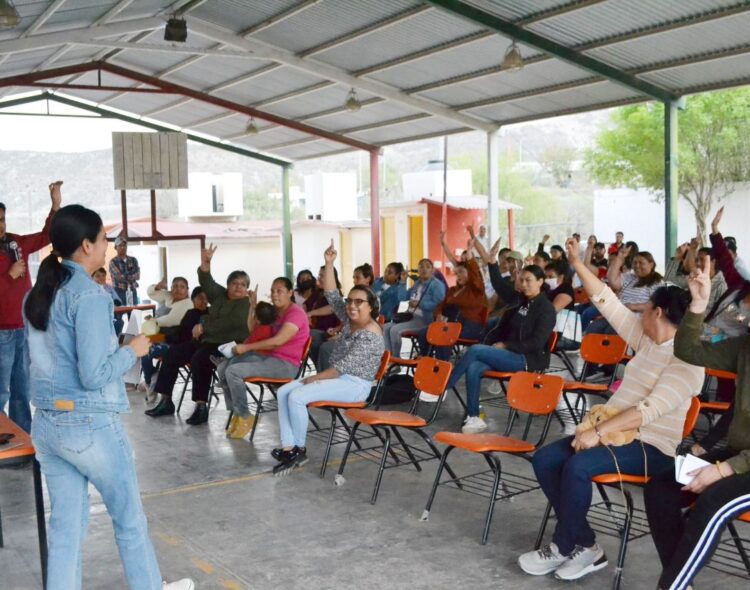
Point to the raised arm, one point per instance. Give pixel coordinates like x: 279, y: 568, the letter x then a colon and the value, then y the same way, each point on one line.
x: 214, y: 290
x: 724, y: 260
x: 253, y: 298
x: 614, y: 272
x: 449, y: 255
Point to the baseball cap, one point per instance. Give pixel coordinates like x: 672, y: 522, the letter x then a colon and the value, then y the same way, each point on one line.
x: 515, y: 254
x: 121, y: 240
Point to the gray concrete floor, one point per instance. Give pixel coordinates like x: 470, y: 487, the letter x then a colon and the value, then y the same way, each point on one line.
x: 217, y: 515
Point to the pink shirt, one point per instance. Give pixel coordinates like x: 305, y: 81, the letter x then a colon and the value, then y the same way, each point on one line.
x: 292, y: 350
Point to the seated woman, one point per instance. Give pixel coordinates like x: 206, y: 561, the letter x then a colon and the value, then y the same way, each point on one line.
x: 423, y: 298
x: 305, y: 286
x: 390, y: 289
x: 226, y: 322
x: 465, y: 303
x: 279, y: 356
x: 354, y: 363
x: 719, y: 491
x: 519, y: 345
x: 320, y: 317
x: 560, y: 292
x: 653, y: 399
x: 363, y: 276
x: 632, y: 288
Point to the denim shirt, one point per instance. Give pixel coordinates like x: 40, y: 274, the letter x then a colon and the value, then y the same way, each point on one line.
x: 76, y: 364
x: 434, y: 293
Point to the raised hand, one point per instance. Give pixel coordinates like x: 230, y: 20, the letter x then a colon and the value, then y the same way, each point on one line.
x: 253, y: 296
x: 470, y: 229
x: 573, y: 249
x: 55, y: 194
x: 545, y: 238
x: 442, y: 236
x: 330, y: 253
x: 699, y: 284
x: 161, y: 285
x: 681, y: 250
x: 494, y: 250
x: 716, y: 220
x: 207, y: 254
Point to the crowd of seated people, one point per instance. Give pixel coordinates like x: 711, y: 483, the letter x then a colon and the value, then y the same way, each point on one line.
x: 511, y: 321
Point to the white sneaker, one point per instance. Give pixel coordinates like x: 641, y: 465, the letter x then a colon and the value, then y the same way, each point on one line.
x: 581, y: 562
x: 543, y: 561
x: 428, y: 398
x: 474, y: 425
x: 184, y: 584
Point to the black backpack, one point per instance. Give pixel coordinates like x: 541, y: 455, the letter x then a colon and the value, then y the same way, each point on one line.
x: 396, y: 389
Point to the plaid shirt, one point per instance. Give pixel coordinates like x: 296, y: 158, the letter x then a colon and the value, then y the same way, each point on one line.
x: 125, y: 273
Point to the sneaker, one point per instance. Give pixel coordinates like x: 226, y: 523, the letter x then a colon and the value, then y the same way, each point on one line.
x: 297, y: 457
x: 242, y: 427
x: 428, y: 398
x: 184, y: 584
x: 543, y: 561
x: 277, y: 453
x: 581, y: 562
x: 474, y: 425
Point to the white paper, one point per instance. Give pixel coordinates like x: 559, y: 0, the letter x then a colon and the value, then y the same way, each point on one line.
x: 684, y: 465
x: 403, y: 307
x: 227, y: 349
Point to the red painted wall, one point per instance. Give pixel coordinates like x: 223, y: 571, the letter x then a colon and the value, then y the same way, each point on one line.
x: 456, y: 234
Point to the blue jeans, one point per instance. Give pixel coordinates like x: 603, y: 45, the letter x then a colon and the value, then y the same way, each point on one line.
x: 565, y: 477
x: 14, y: 377
x: 468, y: 330
x: 74, y: 449
x: 294, y: 397
x: 478, y: 359
x: 147, y: 362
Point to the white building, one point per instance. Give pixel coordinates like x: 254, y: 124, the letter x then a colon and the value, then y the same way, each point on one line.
x: 331, y: 196
x: 214, y: 197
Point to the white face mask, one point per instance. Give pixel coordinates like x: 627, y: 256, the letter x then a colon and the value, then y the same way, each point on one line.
x: 552, y: 283
x: 505, y: 275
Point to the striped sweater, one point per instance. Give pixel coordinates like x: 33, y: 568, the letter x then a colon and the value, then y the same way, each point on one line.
x: 655, y: 381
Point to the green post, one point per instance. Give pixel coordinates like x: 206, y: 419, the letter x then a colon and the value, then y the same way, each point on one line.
x: 671, y: 187
x: 286, y: 237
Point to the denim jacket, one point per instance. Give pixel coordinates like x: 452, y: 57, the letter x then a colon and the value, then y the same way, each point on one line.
x: 76, y: 364
x: 389, y: 298
x: 434, y: 293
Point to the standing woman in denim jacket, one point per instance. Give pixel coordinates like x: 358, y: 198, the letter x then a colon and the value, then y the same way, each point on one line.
x: 76, y: 370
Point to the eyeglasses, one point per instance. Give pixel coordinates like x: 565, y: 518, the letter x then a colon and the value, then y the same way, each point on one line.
x: 355, y: 302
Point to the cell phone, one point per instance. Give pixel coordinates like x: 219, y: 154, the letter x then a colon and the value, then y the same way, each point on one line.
x: 5, y: 437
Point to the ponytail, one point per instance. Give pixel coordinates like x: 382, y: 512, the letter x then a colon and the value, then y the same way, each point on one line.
x: 51, y: 276
x: 70, y: 226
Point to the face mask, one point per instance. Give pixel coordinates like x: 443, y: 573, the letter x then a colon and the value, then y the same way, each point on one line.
x: 305, y: 285
x: 505, y: 275
x: 552, y: 283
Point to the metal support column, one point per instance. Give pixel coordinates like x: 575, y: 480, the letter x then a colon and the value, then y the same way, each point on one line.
x: 375, y: 211
x: 286, y: 230
x: 671, y: 186
x: 493, y: 185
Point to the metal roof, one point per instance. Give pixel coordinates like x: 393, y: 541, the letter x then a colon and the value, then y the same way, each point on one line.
x: 420, y: 68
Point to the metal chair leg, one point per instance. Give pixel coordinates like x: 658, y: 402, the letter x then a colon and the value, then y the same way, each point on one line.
x: 348, y: 448
x: 543, y: 526
x: 381, y: 467
x: 737, y: 542
x: 436, y: 483
x: 258, y: 412
x: 495, y: 484
x: 623, y: 540
x: 438, y: 455
x: 406, y: 448
x: 328, y: 446
x: 184, y: 389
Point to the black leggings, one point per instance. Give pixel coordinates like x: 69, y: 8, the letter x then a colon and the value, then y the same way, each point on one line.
x: 686, y: 545
x: 199, y: 356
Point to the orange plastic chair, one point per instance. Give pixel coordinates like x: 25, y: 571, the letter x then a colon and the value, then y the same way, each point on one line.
x: 596, y: 349
x: 430, y: 376
x: 273, y: 384
x: 381, y: 320
x: 484, y: 316
x: 334, y: 408
x: 530, y: 393
x: 617, y: 479
x: 438, y: 334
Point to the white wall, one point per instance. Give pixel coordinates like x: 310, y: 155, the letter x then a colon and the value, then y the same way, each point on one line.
x: 331, y: 195
x: 308, y: 244
x: 419, y: 185
x: 197, y: 201
x: 641, y: 219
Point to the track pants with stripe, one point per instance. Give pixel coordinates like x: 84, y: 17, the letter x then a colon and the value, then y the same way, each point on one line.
x: 685, y: 545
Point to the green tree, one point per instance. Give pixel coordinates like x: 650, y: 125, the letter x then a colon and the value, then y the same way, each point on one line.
x: 713, y: 153
x: 557, y: 161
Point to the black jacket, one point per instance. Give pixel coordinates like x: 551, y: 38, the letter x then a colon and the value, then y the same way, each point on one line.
x: 533, y: 319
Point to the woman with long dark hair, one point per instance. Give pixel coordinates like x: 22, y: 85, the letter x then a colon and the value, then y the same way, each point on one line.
x: 76, y: 370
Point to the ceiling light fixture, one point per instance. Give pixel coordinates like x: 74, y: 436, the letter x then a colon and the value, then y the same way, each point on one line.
x: 176, y: 30
x: 252, y: 128
x: 352, y: 103
x: 9, y: 16
x: 512, y: 60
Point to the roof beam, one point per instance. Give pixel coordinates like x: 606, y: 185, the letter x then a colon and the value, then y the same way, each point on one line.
x: 163, y: 48
x: 329, y: 72
x: 509, y: 29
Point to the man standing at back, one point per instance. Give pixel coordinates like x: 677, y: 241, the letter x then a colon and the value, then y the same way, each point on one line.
x: 125, y: 273
x: 15, y: 282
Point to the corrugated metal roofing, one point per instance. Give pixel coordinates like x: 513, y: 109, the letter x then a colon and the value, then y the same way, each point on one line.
x: 419, y: 69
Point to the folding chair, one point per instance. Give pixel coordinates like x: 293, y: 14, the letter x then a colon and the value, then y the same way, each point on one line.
x: 334, y: 409
x: 731, y: 555
x: 596, y: 349
x: 619, y: 480
x: 272, y: 383
x: 438, y: 334
x: 530, y: 393
x: 430, y: 376
x: 464, y: 342
x: 186, y: 374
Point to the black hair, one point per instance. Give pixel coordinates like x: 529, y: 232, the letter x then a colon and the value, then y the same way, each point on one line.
x: 560, y: 267
x: 633, y: 253
x: 503, y: 251
x: 599, y: 245
x: 366, y: 271
x: 432, y: 264
x: 238, y: 274
x: 707, y: 251
x: 536, y: 270
x: 285, y: 281
x: 70, y: 226
x: 302, y: 273
x: 653, y: 276
x: 397, y: 267
x: 195, y: 292
x: 543, y: 255
x: 265, y: 313
x: 673, y: 301
x: 183, y: 279
x: 557, y: 247
x: 335, y: 276
x: 98, y: 270
x: 2, y: 206
x: 372, y: 300
x: 731, y: 243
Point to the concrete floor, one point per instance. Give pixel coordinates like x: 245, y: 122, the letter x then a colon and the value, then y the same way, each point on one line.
x: 217, y: 515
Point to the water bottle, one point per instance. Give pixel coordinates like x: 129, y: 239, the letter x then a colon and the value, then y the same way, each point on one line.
x: 482, y: 413
x: 129, y: 297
